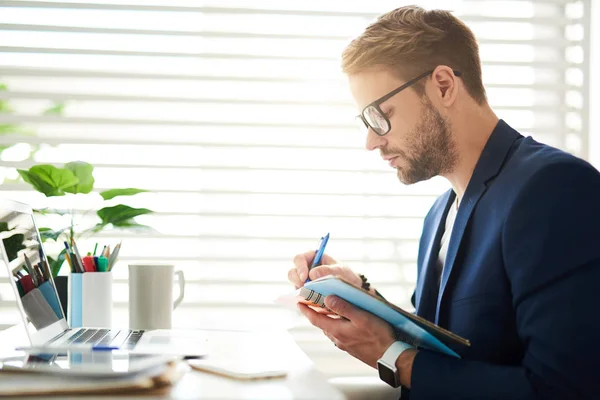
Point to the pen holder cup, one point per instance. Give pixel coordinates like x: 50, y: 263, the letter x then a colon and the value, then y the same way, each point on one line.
x: 90, y: 299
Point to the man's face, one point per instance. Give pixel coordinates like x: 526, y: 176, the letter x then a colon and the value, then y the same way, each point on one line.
x: 419, y: 144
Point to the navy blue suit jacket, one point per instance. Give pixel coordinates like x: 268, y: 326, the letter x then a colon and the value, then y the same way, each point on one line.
x: 521, y: 279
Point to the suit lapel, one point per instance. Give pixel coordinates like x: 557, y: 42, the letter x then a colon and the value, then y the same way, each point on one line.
x: 488, y: 166
x: 467, y: 205
x: 426, y: 291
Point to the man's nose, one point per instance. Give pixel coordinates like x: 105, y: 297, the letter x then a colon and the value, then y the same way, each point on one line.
x: 374, y: 141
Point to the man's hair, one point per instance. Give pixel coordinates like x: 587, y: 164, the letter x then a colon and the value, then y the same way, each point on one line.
x: 410, y: 41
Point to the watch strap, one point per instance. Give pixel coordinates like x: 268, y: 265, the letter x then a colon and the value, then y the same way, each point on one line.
x: 393, y: 352
x: 387, y: 363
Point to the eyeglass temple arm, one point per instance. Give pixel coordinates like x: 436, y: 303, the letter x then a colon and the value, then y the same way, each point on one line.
x: 412, y: 81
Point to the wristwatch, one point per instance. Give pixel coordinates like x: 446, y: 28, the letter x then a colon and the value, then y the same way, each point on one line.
x: 386, y: 365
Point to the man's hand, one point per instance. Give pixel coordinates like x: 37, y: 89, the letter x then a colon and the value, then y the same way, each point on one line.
x: 297, y: 275
x: 361, y: 334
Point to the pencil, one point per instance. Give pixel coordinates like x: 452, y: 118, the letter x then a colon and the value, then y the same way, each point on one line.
x: 77, y: 255
x: 28, y: 266
x: 113, y: 257
x: 43, y: 266
x: 39, y: 274
x: 31, y: 271
x: 69, y: 258
x: 106, y: 251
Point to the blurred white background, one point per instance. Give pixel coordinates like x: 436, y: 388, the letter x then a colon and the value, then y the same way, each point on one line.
x: 236, y: 116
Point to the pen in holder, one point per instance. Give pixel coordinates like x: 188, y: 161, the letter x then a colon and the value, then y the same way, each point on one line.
x: 90, y: 299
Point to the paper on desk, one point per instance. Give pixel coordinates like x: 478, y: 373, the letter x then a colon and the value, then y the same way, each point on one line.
x: 289, y: 299
x: 20, y: 383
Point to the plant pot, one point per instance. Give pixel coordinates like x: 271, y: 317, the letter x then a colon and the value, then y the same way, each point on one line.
x: 62, y: 288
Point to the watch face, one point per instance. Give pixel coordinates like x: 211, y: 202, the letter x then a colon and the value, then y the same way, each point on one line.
x: 387, y: 375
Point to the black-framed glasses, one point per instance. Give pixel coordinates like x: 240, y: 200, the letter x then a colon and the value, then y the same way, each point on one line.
x: 373, y: 117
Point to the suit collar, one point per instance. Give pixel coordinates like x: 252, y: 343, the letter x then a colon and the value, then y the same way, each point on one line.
x: 494, y: 154
x: 488, y: 166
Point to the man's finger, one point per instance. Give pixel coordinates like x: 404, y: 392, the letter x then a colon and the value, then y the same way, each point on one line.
x: 294, y: 278
x: 319, y: 272
x: 321, y: 321
x: 301, y: 266
x: 345, y: 309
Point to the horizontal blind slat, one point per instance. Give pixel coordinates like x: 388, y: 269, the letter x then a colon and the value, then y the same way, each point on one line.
x: 556, y: 65
x: 16, y: 119
x: 63, y: 97
x: 78, y: 73
x: 252, y: 11
x: 245, y: 35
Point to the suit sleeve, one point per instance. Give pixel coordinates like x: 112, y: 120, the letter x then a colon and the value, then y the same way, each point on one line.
x: 551, y: 250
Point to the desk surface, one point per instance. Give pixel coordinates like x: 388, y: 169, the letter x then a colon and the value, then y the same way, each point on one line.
x: 302, y: 382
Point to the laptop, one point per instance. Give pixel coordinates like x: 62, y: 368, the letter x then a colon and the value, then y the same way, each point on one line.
x: 25, y: 261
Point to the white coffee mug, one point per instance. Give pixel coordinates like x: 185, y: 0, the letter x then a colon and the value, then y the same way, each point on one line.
x: 151, y: 295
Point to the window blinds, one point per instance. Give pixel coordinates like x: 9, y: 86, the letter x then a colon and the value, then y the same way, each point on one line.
x: 236, y: 116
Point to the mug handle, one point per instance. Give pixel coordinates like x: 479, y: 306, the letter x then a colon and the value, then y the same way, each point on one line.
x: 181, y: 281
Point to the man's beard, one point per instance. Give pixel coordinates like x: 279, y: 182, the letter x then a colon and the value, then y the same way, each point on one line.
x: 430, y: 150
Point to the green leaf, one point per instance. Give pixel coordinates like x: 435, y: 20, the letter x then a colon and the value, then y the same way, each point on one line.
x: 129, y: 225
x: 38, y: 183
x: 4, y: 227
x: 48, y: 179
x: 6, y: 129
x: 82, y: 171
x: 56, y: 265
x: 5, y: 107
x: 56, y: 109
x: 13, y: 245
x: 120, y: 215
x: 47, y: 233
x: 50, y: 211
x: 112, y: 193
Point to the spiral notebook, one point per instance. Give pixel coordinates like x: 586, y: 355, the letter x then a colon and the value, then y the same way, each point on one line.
x: 411, y: 328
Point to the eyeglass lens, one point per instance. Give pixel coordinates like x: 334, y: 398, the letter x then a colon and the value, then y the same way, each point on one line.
x: 376, y: 121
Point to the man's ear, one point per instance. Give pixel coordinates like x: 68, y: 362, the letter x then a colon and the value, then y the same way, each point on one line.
x: 445, y: 84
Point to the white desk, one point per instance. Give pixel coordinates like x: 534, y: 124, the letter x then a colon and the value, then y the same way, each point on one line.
x: 303, y: 380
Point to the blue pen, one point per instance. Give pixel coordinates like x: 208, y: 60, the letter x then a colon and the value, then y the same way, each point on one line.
x: 318, y: 254
x: 104, y: 348
x: 71, y: 348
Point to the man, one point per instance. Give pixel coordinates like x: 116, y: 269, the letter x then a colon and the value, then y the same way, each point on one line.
x: 509, y: 258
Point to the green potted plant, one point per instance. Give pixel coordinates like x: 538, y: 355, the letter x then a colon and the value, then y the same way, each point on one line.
x: 76, y: 178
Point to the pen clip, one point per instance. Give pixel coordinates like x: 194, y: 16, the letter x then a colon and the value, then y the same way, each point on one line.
x: 318, y: 254
x: 320, y: 251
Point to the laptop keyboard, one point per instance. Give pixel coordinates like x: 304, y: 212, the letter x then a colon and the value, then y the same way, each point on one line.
x: 106, y: 337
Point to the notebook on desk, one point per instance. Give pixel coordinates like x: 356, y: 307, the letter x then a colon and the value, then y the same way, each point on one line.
x: 32, y: 383
x: 24, y: 259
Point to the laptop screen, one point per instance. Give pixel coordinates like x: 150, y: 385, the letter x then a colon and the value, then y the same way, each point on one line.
x: 29, y: 272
